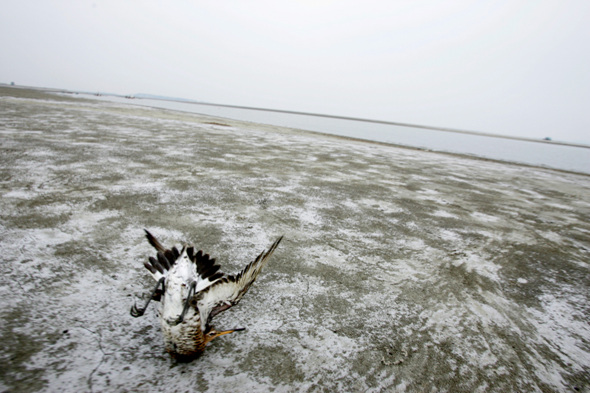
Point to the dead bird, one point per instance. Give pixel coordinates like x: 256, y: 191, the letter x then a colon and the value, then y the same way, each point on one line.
x: 191, y: 291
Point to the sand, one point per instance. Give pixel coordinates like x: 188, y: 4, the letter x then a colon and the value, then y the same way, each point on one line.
x: 401, y: 270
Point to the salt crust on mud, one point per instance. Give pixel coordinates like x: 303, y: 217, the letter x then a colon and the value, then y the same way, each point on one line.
x: 401, y: 270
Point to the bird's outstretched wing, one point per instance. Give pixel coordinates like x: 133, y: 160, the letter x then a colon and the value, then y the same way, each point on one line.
x: 166, y: 258
x: 229, y: 289
x: 207, y: 270
x: 154, y: 242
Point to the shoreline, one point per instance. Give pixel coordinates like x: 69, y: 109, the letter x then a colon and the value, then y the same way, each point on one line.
x: 381, y: 143
x: 375, y: 121
x: 149, y: 97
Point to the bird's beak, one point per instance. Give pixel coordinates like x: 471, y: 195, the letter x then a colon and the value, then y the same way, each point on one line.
x: 229, y: 331
x: 217, y: 334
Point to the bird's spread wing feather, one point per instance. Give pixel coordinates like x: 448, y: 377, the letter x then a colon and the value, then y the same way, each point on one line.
x: 207, y: 270
x: 229, y: 289
x: 160, y: 266
x: 154, y: 242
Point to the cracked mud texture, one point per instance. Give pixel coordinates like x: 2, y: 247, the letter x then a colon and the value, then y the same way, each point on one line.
x: 401, y: 270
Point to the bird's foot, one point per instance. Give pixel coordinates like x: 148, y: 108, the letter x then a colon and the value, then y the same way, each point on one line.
x: 136, y: 311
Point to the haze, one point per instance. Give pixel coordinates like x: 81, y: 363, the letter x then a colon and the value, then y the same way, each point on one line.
x: 509, y: 67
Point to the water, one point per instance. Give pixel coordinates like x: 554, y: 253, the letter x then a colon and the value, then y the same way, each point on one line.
x: 570, y: 158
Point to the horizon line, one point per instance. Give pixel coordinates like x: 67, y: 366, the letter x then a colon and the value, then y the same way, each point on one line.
x: 360, y: 119
x: 144, y: 96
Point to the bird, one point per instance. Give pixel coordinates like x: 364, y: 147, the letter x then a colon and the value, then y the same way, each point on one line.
x: 192, y: 290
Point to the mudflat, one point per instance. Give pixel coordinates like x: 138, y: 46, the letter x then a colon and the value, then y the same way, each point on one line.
x: 400, y: 270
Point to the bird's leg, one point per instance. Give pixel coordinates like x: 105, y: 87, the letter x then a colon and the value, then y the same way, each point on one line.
x: 138, y: 312
x: 191, y: 292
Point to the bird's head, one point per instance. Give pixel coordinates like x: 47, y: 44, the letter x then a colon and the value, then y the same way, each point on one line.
x: 212, y: 334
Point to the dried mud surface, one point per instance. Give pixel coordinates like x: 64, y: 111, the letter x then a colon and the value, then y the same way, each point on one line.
x: 401, y: 270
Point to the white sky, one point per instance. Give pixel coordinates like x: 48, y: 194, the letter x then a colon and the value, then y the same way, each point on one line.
x: 509, y: 67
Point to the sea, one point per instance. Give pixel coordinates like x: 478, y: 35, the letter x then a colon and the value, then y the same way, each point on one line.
x: 569, y: 157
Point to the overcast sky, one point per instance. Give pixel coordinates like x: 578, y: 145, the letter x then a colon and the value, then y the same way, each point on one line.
x: 510, y: 67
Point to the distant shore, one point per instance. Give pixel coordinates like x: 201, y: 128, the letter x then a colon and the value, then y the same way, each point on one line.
x: 575, y: 160
x: 328, y: 116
